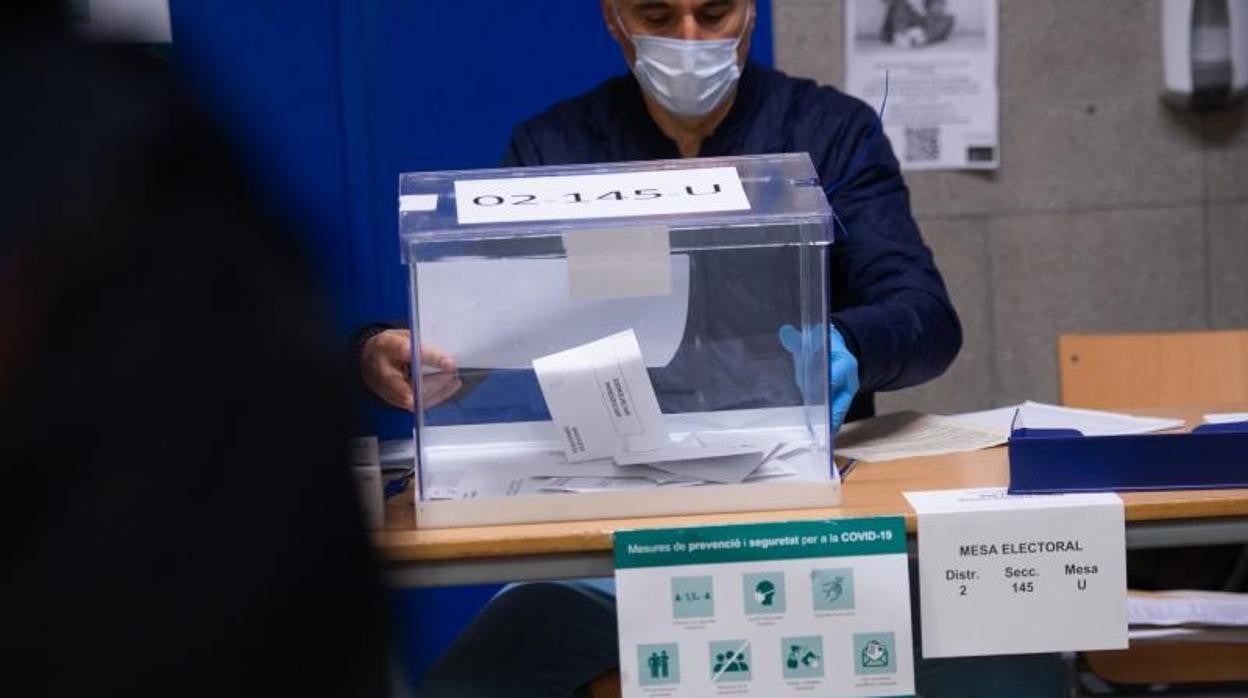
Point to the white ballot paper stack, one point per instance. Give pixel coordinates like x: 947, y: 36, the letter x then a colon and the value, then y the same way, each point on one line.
x: 1187, y: 607
x: 1188, y: 616
x: 527, y: 465
x: 511, y: 472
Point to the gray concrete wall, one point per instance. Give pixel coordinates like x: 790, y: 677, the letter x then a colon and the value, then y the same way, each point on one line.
x: 1110, y: 211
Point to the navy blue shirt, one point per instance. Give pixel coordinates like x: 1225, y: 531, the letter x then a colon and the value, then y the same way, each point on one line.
x: 888, y: 299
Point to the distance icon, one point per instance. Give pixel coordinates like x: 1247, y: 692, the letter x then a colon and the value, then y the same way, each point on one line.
x: 658, y: 664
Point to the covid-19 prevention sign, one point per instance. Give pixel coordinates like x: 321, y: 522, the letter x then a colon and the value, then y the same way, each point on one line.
x: 809, y: 608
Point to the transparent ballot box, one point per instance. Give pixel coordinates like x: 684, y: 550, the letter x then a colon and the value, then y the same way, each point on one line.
x: 627, y: 339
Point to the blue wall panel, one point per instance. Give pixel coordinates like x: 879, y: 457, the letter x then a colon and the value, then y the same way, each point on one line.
x: 266, y: 69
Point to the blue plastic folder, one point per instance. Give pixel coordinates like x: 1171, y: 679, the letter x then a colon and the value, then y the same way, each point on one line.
x: 1049, y: 461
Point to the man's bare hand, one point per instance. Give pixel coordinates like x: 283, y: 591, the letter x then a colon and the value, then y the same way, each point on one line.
x: 386, y: 366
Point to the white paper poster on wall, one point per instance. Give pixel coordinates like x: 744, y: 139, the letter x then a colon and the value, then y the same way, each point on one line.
x: 940, y: 58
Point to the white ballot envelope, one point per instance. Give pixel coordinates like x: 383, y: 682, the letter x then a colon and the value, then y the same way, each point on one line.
x: 501, y: 313
x: 601, y: 398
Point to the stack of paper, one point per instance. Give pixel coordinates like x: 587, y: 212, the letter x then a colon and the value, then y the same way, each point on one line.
x: 1188, y: 616
x: 696, y: 460
x: 611, y: 434
x: 1037, y: 415
x: 1226, y: 417
x: 910, y: 434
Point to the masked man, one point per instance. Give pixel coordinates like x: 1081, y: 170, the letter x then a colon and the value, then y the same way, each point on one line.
x: 692, y: 93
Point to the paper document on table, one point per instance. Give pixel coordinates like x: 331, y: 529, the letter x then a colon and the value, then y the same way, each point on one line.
x: 503, y: 313
x: 907, y: 434
x: 1187, y: 608
x: 1238, y: 636
x: 1226, y: 417
x: 1037, y: 415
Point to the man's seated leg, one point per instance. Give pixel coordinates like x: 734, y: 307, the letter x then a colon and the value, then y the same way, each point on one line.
x: 542, y: 639
x: 1019, y: 676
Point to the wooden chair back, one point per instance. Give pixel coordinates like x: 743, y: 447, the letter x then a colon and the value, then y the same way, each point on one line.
x: 1106, y: 371
x: 1125, y: 371
x: 1173, y: 663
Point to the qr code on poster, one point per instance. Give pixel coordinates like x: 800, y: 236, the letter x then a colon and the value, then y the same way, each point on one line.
x: 923, y: 144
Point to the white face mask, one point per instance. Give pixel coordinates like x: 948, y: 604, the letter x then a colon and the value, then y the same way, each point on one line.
x: 687, y: 77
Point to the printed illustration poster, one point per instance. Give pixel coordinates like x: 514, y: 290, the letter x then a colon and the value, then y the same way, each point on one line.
x: 940, y: 59
x: 808, y: 608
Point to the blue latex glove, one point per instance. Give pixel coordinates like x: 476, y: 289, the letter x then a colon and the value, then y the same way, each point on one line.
x: 842, y: 370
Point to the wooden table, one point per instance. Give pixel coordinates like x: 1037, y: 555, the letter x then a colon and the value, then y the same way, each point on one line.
x: 563, y: 550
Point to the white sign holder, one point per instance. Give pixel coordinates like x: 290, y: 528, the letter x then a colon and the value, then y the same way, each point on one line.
x: 1016, y: 574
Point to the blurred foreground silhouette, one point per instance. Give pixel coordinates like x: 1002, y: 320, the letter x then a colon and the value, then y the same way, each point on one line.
x: 178, y: 517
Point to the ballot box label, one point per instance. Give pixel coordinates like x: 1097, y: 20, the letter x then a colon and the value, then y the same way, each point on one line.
x: 613, y: 195
x: 810, y: 608
x: 1014, y: 574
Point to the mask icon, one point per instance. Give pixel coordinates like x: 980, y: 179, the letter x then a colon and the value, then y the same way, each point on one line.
x: 765, y: 593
